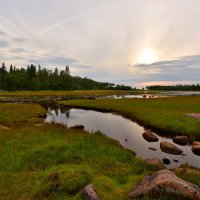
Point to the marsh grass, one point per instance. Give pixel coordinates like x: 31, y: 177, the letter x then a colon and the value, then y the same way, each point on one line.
x: 168, y: 115
x: 52, y: 162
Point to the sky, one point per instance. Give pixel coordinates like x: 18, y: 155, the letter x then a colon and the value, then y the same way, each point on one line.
x: 105, y: 39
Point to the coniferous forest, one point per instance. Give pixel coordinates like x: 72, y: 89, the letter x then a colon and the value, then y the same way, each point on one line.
x: 38, y: 78
x: 180, y: 87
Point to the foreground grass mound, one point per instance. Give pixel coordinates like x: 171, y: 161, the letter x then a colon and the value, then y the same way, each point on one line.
x: 165, y: 114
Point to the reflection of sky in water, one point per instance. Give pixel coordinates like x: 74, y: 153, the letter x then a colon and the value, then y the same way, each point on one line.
x: 119, y: 128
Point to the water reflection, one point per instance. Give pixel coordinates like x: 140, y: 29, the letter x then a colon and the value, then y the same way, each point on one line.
x: 124, y: 130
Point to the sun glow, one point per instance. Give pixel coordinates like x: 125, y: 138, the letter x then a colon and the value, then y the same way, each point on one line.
x: 147, y: 56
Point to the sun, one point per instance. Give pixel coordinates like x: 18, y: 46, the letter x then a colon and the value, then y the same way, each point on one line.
x: 147, y: 56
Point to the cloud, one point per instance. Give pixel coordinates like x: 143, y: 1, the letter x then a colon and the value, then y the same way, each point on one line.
x: 47, y: 60
x: 18, y: 50
x: 4, y: 43
x: 185, y: 69
x: 18, y: 39
x: 3, y: 33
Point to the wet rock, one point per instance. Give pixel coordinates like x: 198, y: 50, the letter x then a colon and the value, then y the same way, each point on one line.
x: 41, y: 115
x: 165, y: 182
x: 196, y: 147
x: 89, y: 193
x: 149, y: 136
x: 182, y: 140
x: 166, y: 161
x: 155, y: 162
x: 153, y: 149
x: 167, y: 147
x: 80, y: 127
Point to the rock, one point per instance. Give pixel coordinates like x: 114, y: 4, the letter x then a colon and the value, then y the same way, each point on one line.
x: 144, y: 96
x: 149, y: 136
x: 153, y: 149
x: 166, y: 161
x: 196, y: 147
x: 182, y: 140
x: 80, y: 127
x: 155, y: 162
x: 89, y: 193
x: 175, y: 160
x: 167, y: 147
x: 41, y: 115
x: 165, y: 183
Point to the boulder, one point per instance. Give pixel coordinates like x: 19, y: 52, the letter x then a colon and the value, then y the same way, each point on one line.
x: 167, y: 147
x: 80, y: 127
x: 149, y: 136
x: 182, y: 140
x: 155, y: 162
x: 166, y: 161
x: 196, y: 147
x: 89, y: 193
x: 165, y: 183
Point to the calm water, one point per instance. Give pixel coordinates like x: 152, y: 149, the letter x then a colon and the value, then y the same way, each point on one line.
x: 181, y: 93
x: 131, y: 96
x: 127, y: 132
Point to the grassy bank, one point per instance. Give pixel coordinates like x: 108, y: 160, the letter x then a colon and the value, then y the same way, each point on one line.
x: 51, y: 162
x: 165, y: 114
x: 67, y: 93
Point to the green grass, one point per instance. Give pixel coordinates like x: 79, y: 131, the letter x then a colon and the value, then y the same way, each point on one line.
x: 10, y: 113
x: 164, y: 114
x: 66, y: 93
x: 53, y: 162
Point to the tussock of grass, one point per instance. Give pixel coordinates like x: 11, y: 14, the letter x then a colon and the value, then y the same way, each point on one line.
x: 165, y: 114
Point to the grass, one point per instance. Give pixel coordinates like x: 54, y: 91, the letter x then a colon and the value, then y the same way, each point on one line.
x: 168, y: 115
x: 66, y: 93
x: 52, y: 162
x: 13, y: 113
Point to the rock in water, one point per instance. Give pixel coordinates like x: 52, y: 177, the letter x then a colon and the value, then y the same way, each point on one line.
x: 166, y: 161
x: 155, y: 162
x: 182, y: 140
x: 149, y: 136
x: 167, y: 147
x: 89, y: 193
x: 80, y: 127
x: 196, y: 147
x: 165, y: 183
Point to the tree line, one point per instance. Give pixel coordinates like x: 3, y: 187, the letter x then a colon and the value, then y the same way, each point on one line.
x: 180, y: 87
x: 38, y: 78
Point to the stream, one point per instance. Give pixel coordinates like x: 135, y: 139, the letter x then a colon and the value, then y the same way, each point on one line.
x: 127, y: 132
